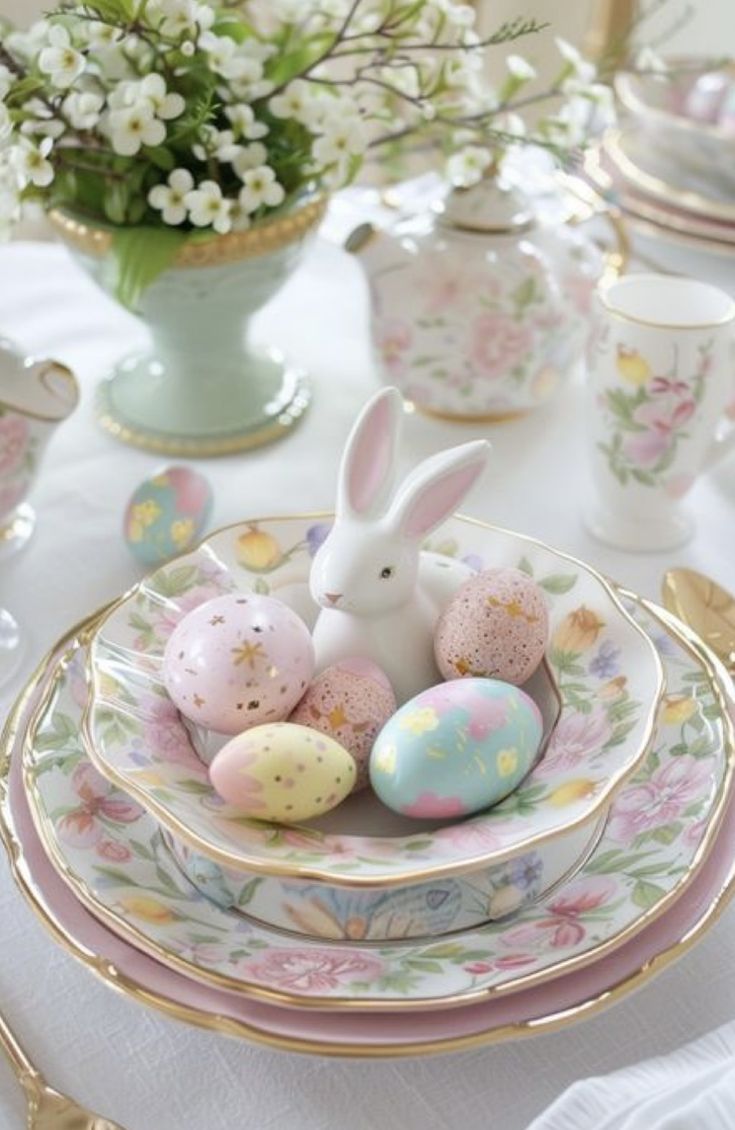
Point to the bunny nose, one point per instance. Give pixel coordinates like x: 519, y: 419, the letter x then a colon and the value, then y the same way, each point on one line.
x: 333, y: 597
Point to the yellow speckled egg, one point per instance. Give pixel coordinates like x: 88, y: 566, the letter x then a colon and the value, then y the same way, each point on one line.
x: 350, y: 701
x: 283, y: 772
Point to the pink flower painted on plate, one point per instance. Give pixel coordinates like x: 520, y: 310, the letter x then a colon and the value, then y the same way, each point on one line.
x: 432, y: 806
x: 242, y: 785
x: 472, y: 837
x: 498, y: 343
x: 660, y: 800
x: 165, y: 618
x: 84, y: 826
x: 313, y: 970
x: 394, y: 339
x: 114, y: 851
x: 580, y: 288
x: 576, y: 737
x: 563, y: 925
x: 14, y: 437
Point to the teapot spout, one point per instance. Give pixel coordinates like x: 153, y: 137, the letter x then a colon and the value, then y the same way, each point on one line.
x: 43, y: 390
x: 57, y: 388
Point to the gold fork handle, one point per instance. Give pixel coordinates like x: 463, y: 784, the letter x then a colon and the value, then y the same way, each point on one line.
x: 29, y: 1077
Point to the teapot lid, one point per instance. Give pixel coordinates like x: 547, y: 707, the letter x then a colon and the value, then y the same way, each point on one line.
x: 490, y: 206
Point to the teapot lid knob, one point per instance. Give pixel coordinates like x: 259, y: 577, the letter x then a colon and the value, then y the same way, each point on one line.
x: 489, y: 206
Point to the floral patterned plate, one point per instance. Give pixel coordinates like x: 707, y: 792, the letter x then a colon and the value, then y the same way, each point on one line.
x: 607, y: 672
x: 110, y: 852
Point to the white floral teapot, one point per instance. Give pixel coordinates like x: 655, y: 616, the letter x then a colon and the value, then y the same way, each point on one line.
x: 35, y: 396
x: 479, y: 308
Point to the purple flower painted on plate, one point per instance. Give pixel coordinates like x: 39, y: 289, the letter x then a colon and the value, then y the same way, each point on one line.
x: 526, y: 871
x: 605, y: 663
x: 316, y: 536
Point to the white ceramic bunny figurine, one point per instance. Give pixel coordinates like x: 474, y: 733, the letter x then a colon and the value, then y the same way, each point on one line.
x: 380, y: 594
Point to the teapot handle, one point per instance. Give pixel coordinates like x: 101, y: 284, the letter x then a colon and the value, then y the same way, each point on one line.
x: 59, y: 382
x: 617, y: 257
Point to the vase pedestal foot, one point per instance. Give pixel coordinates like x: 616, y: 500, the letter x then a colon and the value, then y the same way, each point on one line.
x: 620, y: 531
x: 176, y: 410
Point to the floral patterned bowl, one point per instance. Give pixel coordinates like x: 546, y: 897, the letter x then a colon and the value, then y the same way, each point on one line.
x: 606, y: 670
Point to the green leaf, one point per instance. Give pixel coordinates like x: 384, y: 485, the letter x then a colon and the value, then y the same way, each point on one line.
x: 142, y: 254
x: 647, y: 894
x: 559, y: 583
x: 161, y: 157
x: 524, y: 294
x: 525, y: 566
x: 248, y: 891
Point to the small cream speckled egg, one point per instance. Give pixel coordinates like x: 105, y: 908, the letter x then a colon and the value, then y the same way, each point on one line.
x: 283, y: 772
x: 237, y: 661
x: 496, y: 626
x: 350, y: 701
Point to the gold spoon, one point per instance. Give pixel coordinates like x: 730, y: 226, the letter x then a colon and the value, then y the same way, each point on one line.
x: 47, y: 1109
x: 704, y: 606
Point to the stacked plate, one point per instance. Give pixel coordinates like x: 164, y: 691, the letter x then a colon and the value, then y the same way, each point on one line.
x: 666, y: 167
x: 361, y: 934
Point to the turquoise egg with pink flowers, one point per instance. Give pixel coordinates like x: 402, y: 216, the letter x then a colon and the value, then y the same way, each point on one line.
x: 456, y: 748
x: 167, y: 515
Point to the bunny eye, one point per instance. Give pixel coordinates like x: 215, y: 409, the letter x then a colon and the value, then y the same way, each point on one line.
x: 387, y: 572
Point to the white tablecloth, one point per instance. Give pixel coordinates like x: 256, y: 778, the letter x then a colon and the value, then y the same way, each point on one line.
x: 150, y: 1073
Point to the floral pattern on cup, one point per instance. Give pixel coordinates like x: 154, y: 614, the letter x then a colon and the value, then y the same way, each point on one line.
x: 597, y: 659
x: 648, y: 414
x: 659, y: 829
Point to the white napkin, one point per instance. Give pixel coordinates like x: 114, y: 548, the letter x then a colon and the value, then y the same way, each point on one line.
x: 693, y: 1088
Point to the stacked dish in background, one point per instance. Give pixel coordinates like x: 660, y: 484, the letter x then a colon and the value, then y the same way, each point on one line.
x: 669, y: 167
x: 330, y: 937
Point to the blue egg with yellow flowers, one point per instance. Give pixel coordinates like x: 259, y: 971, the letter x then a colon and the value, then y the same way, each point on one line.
x: 456, y: 748
x: 167, y: 515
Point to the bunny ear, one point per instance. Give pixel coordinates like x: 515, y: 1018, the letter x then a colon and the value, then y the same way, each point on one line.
x: 435, y: 489
x: 368, y: 463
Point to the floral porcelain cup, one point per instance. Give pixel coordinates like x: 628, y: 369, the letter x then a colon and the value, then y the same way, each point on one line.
x: 35, y: 396
x: 478, y: 309
x: 660, y: 373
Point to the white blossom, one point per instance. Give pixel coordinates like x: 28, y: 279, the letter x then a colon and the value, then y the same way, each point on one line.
x: 296, y: 101
x: 208, y: 208
x: 250, y: 157
x: 520, y: 68
x: 230, y: 59
x: 170, y: 198
x: 180, y: 17
x: 83, y: 109
x: 244, y: 123
x: 341, y: 140
x: 467, y: 167
x: 6, y: 125
x: 578, y: 67
x: 102, y: 35
x: 153, y: 89
x: 135, y: 126
x: 30, y: 162
x: 10, y: 207
x: 260, y: 187
x: 60, y: 60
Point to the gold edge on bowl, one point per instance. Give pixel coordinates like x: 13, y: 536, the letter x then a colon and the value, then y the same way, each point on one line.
x: 315, y: 873
x: 224, y: 1025
x: 124, y: 929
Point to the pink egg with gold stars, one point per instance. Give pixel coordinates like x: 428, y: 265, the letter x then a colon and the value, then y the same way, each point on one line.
x: 238, y: 661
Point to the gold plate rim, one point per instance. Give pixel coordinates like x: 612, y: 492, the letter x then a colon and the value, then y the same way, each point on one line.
x: 315, y: 873
x: 107, y: 972
x: 122, y: 927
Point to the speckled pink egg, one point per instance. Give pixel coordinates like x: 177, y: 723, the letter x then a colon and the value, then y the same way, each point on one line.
x: 350, y: 701
x: 237, y: 661
x: 495, y: 626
